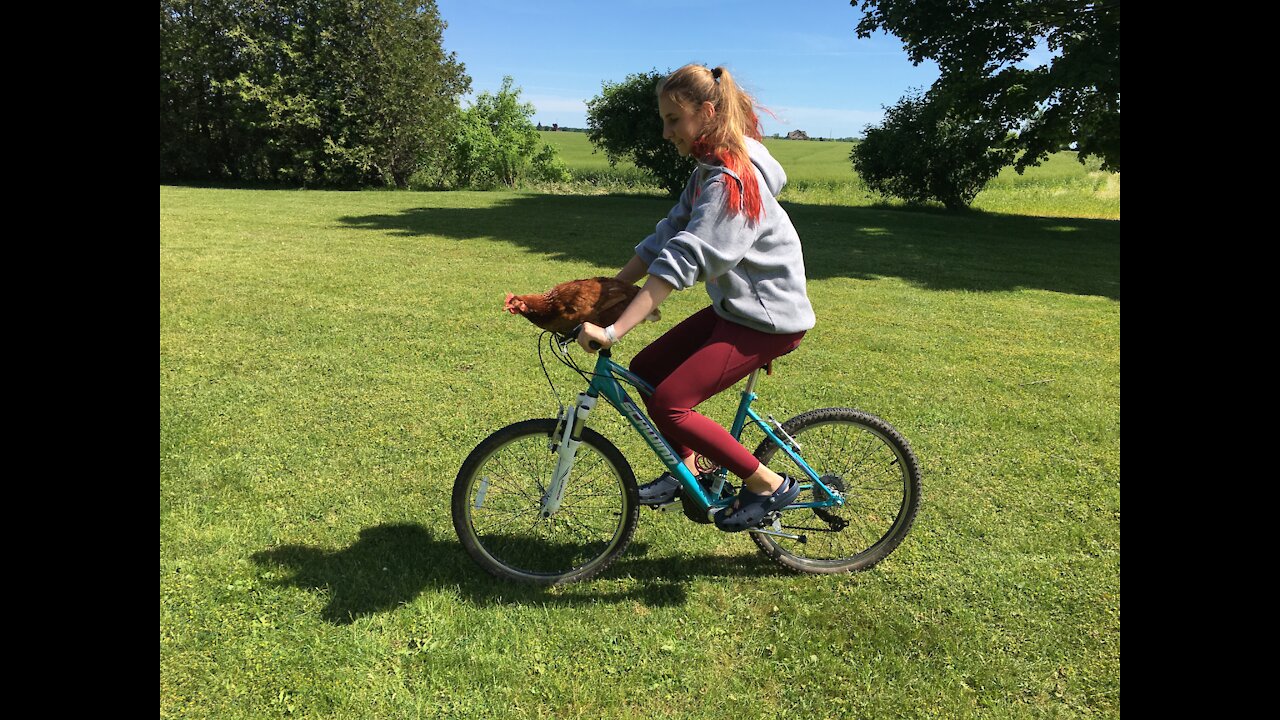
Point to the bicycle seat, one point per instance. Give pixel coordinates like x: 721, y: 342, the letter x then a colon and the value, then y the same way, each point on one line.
x: 768, y: 367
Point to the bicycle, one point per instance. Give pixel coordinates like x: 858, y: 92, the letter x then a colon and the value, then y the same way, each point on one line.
x: 551, y: 501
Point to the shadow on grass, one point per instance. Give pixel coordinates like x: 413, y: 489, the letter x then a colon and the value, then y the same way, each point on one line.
x: 390, y: 565
x: 933, y: 249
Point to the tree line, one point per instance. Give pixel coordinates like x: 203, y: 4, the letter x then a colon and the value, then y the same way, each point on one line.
x: 331, y: 93
x: 359, y: 93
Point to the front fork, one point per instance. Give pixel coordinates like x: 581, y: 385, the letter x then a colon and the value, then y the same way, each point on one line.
x: 568, y: 436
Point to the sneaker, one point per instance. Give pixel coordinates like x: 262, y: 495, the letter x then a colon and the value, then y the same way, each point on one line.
x: 660, y: 491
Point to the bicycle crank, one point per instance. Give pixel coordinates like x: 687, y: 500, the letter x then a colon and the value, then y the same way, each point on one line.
x: 772, y: 525
x: 779, y: 533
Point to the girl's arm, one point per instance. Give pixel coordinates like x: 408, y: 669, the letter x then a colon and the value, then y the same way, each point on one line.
x: 633, y: 270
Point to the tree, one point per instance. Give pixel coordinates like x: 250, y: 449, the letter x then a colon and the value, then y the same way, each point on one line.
x: 1072, y: 100
x: 624, y: 122
x: 409, y: 91
x: 497, y: 143
x: 201, y: 136
x: 333, y: 92
x: 924, y: 151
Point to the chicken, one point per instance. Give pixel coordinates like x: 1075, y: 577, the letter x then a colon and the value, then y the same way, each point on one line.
x: 598, y: 300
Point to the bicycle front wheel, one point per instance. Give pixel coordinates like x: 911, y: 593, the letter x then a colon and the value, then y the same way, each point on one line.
x: 498, y: 498
x: 871, y: 465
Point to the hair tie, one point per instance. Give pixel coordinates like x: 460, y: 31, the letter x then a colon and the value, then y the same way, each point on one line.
x: 716, y: 73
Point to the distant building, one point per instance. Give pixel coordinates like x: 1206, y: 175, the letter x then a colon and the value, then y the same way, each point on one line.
x: 797, y: 135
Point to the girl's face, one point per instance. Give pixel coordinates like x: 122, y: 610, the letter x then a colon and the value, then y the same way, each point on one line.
x: 681, y: 125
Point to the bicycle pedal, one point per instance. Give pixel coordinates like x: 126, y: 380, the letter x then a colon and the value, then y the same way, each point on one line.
x: 667, y: 507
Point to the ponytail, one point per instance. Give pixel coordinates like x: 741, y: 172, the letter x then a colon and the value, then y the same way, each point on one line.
x: 723, y: 138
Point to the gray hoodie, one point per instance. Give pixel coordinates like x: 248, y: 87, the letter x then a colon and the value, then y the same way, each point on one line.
x: 754, y: 272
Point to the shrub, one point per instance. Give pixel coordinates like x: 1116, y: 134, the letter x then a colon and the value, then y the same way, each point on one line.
x: 497, y: 144
x: 624, y: 122
x: 924, y: 152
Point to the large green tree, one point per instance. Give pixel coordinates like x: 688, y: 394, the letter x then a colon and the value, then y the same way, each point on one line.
x: 980, y: 47
x: 333, y: 92
x: 623, y: 121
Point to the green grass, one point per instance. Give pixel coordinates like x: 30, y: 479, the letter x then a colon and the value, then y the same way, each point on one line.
x: 327, y: 360
x: 820, y: 173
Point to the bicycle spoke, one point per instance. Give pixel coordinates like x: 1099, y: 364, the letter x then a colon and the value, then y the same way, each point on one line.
x: 570, y: 519
x: 508, y: 534
x: 865, y: 468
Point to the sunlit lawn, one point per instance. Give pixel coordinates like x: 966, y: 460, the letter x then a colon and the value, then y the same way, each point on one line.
x: 327, y: 360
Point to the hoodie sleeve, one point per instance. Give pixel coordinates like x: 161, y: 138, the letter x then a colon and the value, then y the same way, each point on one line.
x: 675, y: 221
x: 712, y: 243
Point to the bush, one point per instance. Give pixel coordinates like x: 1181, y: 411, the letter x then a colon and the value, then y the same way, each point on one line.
x: 924, y: 152
x: 624, y: 122
x: 497, y: 144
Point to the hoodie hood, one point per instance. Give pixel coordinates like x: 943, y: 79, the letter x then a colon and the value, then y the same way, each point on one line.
x: 775, y: 178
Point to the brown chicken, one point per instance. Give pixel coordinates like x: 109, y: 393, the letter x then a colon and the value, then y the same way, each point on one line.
x: 598, y: 300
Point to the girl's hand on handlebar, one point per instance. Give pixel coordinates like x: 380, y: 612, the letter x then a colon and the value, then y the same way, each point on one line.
x: 592, y: 333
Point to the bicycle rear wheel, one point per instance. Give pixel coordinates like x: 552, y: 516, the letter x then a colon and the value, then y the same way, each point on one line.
x: 868, y: 462
x: 497, y: 501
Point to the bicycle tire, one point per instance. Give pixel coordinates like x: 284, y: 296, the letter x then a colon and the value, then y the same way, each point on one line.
x: 497, y: 497
x: 872, y: 465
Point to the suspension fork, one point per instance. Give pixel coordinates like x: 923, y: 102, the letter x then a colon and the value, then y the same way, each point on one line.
x: 573, y: 422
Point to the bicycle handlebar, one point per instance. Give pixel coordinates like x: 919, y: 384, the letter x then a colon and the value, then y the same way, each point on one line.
x: 573, y: 335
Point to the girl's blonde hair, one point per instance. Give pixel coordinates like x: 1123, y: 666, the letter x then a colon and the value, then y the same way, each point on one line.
x: 723, y: 137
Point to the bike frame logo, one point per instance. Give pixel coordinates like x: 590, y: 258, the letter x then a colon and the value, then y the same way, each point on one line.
x: 650, y: 435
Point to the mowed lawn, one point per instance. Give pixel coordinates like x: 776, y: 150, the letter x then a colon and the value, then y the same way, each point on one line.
x: 328, y: 359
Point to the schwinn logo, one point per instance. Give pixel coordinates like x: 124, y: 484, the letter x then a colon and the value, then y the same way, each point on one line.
x: 647, y: 430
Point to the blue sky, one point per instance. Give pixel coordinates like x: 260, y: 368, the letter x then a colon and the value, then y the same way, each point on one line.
x: 801, y: 59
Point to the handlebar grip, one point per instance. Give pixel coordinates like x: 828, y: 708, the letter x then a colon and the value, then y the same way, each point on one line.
x: 573, y: 335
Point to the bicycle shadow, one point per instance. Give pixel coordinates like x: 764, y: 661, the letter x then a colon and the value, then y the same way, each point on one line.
x: 390, y: 565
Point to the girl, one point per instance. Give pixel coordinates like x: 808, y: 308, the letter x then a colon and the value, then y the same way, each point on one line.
x: 727, y: 232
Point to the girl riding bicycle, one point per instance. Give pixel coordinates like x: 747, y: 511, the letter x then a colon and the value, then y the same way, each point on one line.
x: 727, y: 232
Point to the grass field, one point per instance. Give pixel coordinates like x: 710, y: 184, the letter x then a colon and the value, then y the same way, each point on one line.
x: 821, y: 173
x: 327, y: 360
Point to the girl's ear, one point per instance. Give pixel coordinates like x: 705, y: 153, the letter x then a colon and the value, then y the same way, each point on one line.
x: 708, y: 110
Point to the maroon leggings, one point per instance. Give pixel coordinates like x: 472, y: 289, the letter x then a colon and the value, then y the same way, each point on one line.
x: 693, y: 361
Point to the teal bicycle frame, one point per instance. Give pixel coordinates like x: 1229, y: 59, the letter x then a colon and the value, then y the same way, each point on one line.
x: 607, y: 381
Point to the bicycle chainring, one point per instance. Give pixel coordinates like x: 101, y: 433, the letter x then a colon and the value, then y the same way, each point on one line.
x: 690, y: 506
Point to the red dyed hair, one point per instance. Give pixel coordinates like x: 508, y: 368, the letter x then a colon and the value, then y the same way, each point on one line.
x: 723, y: 136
